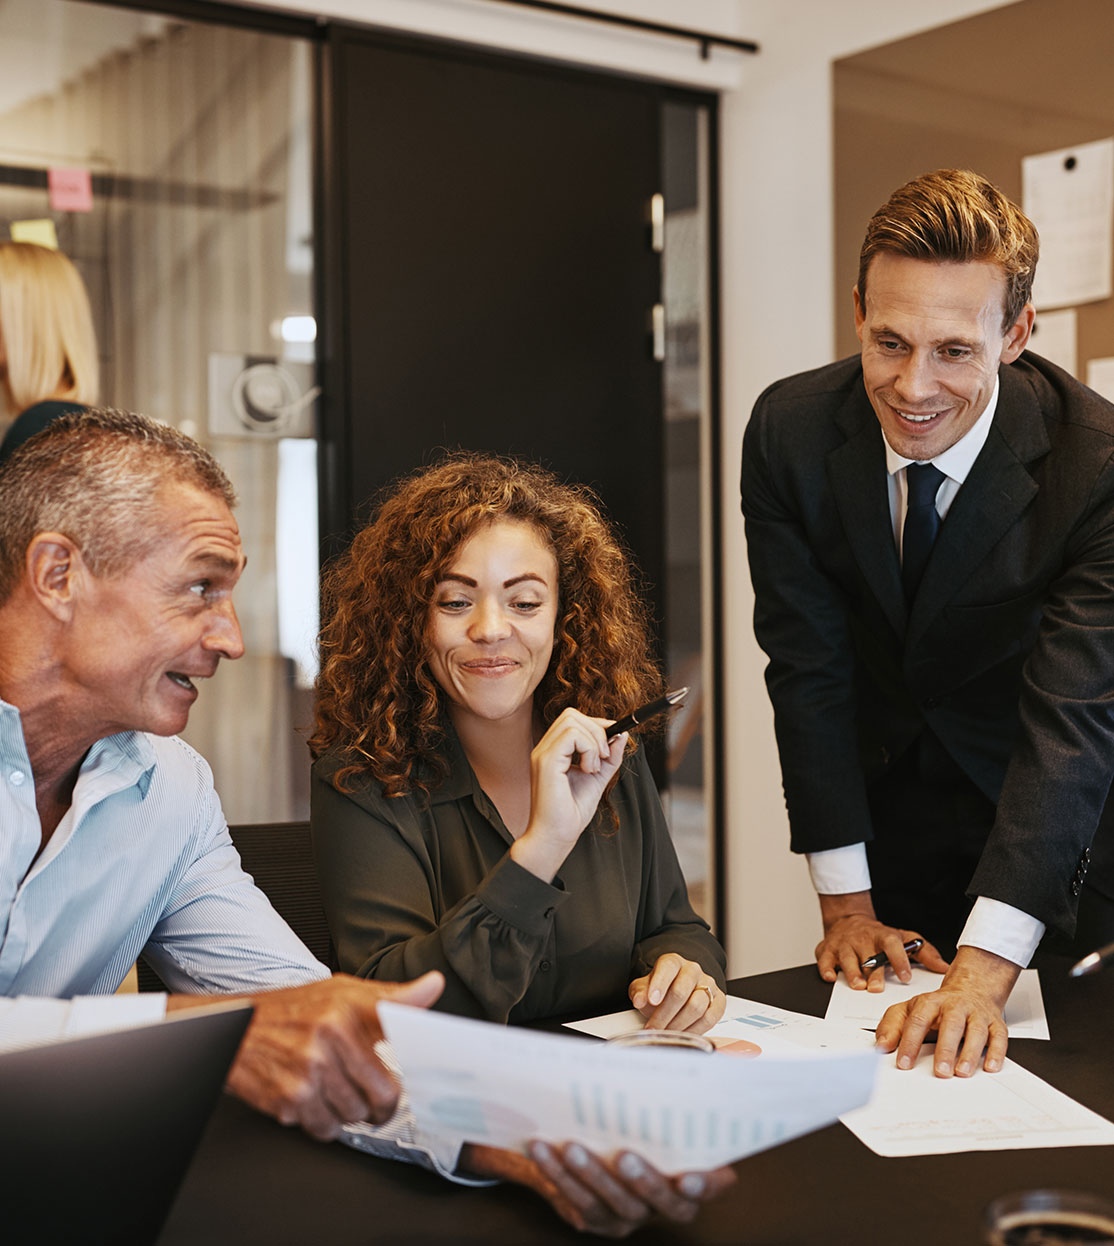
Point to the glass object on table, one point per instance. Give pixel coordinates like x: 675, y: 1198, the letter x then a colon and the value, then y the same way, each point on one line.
x: 1050, y: 1218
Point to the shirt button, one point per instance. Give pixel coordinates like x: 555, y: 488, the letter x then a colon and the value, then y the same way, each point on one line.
x: 544, y: 966
x: 16, y: 778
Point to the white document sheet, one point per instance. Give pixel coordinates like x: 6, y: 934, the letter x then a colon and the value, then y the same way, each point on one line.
x: 1069, y: 197
x: 913, y: 1112
x: 1025, y: 1015
x: 682, y: 1110
x: 749, y: 1028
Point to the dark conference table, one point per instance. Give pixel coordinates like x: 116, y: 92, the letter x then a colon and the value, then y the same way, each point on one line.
x: 254, y: 1181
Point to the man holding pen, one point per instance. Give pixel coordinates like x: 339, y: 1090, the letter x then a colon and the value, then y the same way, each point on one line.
x: 930, y: 528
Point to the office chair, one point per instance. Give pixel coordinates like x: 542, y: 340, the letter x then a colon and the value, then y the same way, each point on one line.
x: 279, y: 856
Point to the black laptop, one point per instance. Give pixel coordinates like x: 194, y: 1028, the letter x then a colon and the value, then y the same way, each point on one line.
x: 96, y: 1133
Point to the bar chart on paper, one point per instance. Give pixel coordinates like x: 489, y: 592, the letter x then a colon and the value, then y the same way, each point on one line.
x: 681, y: 1110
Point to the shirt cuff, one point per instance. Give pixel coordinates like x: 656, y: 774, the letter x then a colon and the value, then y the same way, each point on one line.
x: 520, y: 898
x: 30, y: 1021
x: 1000, y: 928
x: 839, y: 871
x: 403, y: 1138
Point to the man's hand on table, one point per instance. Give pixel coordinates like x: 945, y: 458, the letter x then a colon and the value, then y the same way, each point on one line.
x: 965, y: 1013
x: 608, y: 1197
x: 853, y: 934
x: 308, y: 1055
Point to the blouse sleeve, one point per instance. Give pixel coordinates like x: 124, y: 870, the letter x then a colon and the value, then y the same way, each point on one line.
x: 381, y: 886
x: 666, y: 920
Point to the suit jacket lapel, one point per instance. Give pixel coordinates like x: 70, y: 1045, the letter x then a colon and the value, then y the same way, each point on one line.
x: 857, y: 473
x: 994, y: 495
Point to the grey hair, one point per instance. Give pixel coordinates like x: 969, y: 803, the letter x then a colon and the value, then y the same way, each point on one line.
x: 96, y: 477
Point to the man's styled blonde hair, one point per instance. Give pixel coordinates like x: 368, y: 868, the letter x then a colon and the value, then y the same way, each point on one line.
x: 46, y: 328
x: 955, y: 216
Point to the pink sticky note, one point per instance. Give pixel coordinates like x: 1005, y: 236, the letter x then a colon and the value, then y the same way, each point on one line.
x: 71, y: 190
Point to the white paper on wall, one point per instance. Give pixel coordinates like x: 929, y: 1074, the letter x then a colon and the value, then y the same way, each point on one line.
x: 1055, y: 338
x: 1069, y: 196
x: 1100, y: 377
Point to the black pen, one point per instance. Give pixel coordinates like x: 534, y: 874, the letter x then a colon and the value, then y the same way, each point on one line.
x: 1093, y: 961
x: 637, y: 717
x: 880, y: 958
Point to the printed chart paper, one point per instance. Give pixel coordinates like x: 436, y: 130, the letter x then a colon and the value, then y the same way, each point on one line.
x: 1025, y: 1015
x: 913, y: 1112
x: 749, y: 1028
x: 681, y: 1110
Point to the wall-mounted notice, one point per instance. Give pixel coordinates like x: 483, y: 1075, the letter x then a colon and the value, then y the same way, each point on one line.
x: 1069, y: 196
x: 71, y: 189
x: 1054, y: 337
x: 1100, y: 377
x: 41, y: 232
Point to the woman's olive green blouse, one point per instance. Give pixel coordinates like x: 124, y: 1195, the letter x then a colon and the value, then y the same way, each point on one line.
x: 412, y: 884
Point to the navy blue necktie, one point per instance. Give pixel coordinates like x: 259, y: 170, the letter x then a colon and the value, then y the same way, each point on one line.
x: 921, y: 523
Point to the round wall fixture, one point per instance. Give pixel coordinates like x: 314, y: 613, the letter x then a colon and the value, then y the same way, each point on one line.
x: 266, y: 398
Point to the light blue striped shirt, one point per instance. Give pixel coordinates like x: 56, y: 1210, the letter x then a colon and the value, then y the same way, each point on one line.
x: 141, y: 859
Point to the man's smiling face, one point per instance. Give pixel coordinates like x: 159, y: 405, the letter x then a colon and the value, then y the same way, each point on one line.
x: 142, y: 638
x: 932, y: 343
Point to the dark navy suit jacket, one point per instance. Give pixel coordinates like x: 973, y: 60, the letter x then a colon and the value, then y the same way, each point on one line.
x: 1006, y: 653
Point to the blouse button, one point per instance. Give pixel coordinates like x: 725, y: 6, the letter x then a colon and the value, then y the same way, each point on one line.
x: 16, y: 778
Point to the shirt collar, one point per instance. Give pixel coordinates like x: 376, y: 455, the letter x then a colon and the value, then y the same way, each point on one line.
x: 460, y: 781
x: 129, y: 752
x: 956, y: 461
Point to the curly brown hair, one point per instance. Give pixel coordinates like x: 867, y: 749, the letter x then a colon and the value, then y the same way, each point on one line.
x: 379, y: 707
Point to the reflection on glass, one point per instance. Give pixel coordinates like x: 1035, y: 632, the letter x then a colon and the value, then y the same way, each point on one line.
x: 688, y: 518
x: 197, y: 251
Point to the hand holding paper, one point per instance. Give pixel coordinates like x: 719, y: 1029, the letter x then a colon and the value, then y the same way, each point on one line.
x: 612, y: 1197
x: 680, y: 1111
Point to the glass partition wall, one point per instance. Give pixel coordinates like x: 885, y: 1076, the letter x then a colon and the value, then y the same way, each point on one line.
x: 197, y: 250
x: 689, y: 509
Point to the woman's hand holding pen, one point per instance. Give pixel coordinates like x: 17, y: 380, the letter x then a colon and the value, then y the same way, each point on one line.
x: 570, y: 767
x: 678, y: 995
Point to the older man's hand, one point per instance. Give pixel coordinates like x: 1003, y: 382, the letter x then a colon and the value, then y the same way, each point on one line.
x: 308, y: 1056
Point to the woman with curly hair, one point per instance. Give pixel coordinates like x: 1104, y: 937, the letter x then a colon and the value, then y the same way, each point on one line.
x: 469, y: 814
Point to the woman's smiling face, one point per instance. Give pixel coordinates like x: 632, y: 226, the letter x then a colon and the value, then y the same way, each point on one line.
x: 490, y: 630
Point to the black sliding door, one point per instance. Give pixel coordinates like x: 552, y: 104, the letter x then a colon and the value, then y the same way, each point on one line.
x: 490, y: 275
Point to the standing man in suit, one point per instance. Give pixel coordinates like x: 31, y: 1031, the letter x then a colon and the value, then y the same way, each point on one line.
x: 930, y: 527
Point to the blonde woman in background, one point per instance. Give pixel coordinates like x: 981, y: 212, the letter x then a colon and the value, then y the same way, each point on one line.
x: 48, y: 350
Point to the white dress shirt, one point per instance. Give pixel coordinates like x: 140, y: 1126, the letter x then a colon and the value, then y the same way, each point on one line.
x: 992, y: 925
